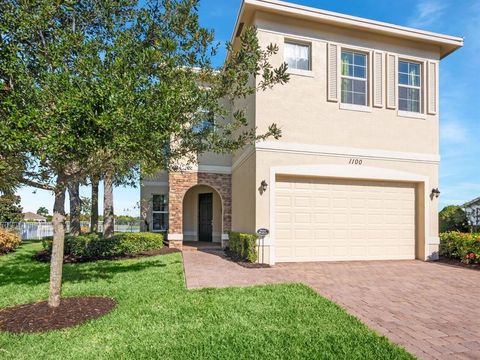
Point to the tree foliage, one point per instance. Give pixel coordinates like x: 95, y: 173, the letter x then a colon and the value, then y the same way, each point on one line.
x: 453, y: 218
x: 42, y: 210
x: 10, y: 208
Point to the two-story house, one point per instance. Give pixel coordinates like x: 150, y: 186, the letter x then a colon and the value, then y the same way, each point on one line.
x: 355, y: 174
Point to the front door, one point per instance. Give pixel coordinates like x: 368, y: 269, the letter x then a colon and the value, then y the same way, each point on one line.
x: 205, y: 217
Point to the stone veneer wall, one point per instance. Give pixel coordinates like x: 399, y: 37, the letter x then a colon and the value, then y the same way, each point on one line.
x: 181, y: 182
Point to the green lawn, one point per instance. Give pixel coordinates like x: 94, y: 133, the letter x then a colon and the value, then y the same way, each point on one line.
x: 157, y: 318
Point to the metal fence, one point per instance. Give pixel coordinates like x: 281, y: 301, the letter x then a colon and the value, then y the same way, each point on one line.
x: 37, y: 231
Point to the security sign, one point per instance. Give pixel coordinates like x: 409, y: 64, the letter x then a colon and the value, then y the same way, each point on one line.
x: 263, y: 232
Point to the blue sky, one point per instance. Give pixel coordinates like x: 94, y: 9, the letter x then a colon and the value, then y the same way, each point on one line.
x: 459, y: 85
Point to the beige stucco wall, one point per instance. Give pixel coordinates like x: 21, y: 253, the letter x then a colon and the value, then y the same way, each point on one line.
x: 244, y: 196
x: 190, y: 213
x: 302, y: 103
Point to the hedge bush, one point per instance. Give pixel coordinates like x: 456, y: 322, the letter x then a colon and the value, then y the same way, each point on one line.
x: 462, y: 246
x: 9, y: 240
x: 94, y: 246
x: 243, y: 245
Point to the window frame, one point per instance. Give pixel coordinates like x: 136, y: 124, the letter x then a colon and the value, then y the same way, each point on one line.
x: 366, y: 79
x: 160, y: 212
x: 420, y: 88
x: 295, y: 70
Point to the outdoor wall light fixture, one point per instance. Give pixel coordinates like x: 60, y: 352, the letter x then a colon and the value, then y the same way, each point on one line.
x: 263, y: 185
x: 435, y: 193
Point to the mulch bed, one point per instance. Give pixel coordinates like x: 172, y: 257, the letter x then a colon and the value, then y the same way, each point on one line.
x: 235, y: 258
x: 44, y: 256
x: 458, y: 263
x: 39, y: 317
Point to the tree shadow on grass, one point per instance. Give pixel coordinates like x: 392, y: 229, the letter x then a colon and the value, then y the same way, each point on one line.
x: 21, y: 269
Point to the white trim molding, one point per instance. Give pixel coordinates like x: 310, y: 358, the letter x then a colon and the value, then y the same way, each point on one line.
x: 348, y: 172
x: 326, y: 150
x: 244, y: 156
x: 153, y: 183
x: 446, y: 43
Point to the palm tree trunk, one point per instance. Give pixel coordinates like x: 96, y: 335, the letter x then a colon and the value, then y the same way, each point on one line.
x: 108, y: 205
x: 56, y: 264
x: 94, y: 210
x: 75, y: 205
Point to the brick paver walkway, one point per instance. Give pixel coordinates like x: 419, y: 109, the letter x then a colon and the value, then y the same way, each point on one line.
x: 433, y: 310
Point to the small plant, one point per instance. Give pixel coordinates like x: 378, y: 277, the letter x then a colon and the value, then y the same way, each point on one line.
x: 9, y: 241
x: 462, y: 246
x: 243, y: 245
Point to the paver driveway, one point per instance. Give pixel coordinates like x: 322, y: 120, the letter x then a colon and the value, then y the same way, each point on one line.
x: 431, y: 309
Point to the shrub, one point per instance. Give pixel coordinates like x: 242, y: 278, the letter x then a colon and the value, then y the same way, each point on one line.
x: 243, y: 245
x: 462, y: 246
x: 94, y: 246
x: 453, y: 218
x: 9, y: 241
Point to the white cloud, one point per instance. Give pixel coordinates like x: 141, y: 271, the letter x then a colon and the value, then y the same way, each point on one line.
x: 453, y: 132
x: 427, y: 13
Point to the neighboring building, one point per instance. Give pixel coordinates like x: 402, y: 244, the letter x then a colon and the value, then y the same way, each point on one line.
x: 472, y: 210
x: 32, y: 217
x: 354, y: 174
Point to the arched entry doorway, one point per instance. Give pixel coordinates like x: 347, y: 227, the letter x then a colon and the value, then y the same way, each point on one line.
x: 202, y: 214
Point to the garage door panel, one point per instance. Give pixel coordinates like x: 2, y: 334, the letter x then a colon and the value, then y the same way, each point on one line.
x: 344, y: 220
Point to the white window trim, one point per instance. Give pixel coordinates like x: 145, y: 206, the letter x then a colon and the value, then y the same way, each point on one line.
x: 355, y: 107
x: 298, y: 72
x: 295, y: 71
x: 406, y: 113
x: 160, y: 212
x: 367, y: 78
x: 411, y: 114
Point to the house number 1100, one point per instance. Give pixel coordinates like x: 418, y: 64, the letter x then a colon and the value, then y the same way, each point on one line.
x: 355, y: 162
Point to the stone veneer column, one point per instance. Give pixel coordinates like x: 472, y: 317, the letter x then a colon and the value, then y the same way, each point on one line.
x: 179, y: 184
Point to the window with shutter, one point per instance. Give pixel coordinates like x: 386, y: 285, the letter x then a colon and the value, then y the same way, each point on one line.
x: 409, y: 86
x: 354, y: 75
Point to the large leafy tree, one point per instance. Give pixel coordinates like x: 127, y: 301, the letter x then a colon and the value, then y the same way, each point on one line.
x: 97, y: 88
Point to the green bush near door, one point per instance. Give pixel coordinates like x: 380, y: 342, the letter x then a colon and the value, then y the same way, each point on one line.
x: 244, y: 245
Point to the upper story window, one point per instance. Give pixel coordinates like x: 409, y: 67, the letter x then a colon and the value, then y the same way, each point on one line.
x: 354, y: 78
x: 409, y: 86
x: 159, y: 213
x: 297, y: 56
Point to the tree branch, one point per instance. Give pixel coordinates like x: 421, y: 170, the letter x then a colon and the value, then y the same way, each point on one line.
x: 37, y: 185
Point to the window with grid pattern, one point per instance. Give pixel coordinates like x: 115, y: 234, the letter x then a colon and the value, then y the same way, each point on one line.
x: 159, y: 213
x: 354, y: 78
x: 409, y: 86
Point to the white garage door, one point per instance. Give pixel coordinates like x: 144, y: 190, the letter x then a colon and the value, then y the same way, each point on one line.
x: 332, y: 219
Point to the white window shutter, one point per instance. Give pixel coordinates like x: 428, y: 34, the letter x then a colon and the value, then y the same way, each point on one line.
x: 391, y: 81
x: 332, y: 72
x: 378, y: 78
x: 432, y: 87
